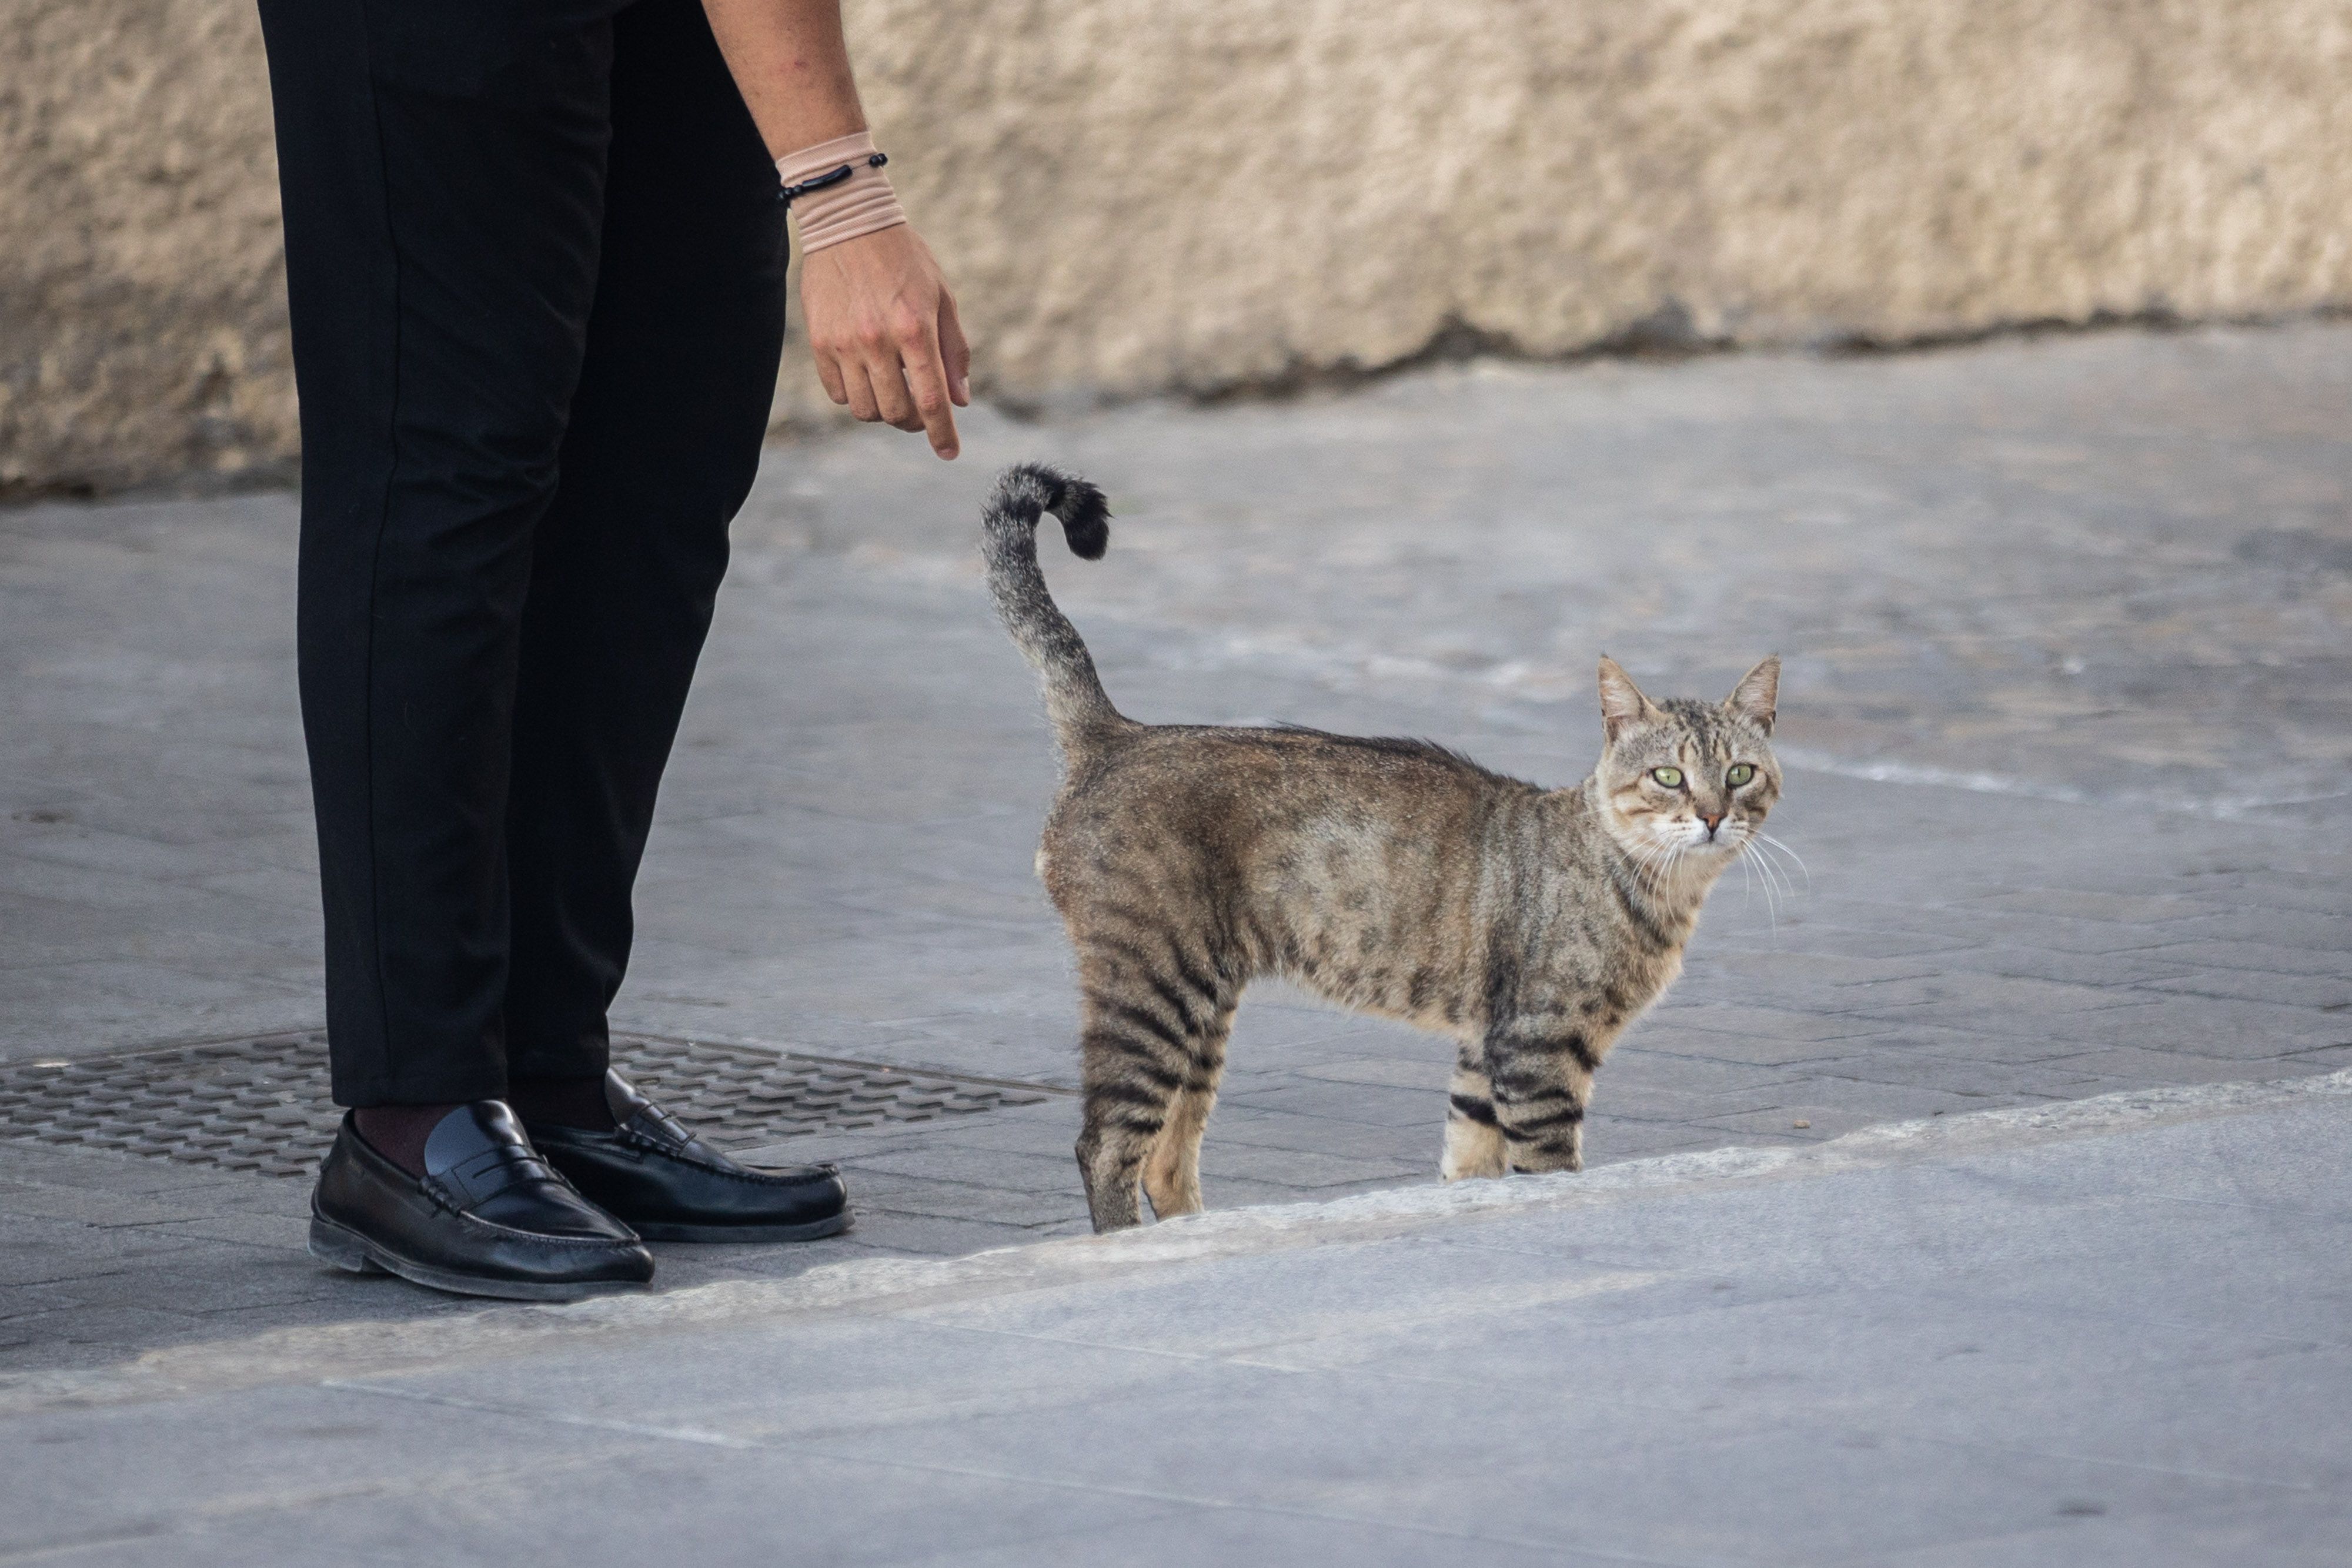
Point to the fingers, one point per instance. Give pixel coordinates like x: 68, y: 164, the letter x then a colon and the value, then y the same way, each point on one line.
x: 828, y: 371
x: 873, y: 387
x: 848, y: 378
x: 956, y: 351
x: 889, y: 343
x: 901, y: 367
x: 857, y: 392
x: 877, y: 355
x: 926, y: 379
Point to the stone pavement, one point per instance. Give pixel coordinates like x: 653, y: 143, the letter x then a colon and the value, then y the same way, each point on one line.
x: 2068, y: 712
x: 2106, y: 1332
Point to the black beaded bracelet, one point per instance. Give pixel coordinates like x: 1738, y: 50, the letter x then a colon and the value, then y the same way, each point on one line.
x: 786, y: 194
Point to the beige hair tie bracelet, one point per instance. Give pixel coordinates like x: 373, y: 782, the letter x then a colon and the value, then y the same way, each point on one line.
x: 836, y: 191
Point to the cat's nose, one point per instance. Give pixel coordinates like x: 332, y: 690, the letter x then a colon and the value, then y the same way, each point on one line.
x: 1710, y: 818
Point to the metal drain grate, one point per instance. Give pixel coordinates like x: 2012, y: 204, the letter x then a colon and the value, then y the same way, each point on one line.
x: 261, y: 1105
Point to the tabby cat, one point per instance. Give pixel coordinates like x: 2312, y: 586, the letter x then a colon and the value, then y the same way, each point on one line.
x: 1530, y: 926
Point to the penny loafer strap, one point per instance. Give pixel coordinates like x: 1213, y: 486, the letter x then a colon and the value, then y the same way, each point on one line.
x: 665, y: 1131
x: 473, y: 1182
x: 639, y: 1119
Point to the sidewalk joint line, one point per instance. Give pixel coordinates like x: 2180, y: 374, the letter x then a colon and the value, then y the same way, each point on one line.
x: 630, y: 1428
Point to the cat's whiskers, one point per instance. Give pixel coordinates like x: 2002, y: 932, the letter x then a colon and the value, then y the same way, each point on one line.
x: 1674, y: 872
x: 1774, y: 874
x: 1770, y: 842
x: 1747, y: 880
x: 1764, y: 879
x: 1654, y: 866
x: 1757, y: 870
x: 1771, y: 872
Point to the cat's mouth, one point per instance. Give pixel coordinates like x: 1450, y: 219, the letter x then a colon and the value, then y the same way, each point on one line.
x: 1729, y: 839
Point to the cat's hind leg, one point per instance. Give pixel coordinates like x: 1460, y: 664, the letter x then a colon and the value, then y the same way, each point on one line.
x: 1128, y: 1098
x: 1171, y: 1177
x: 1150, y: 1034
x: 1474, y: 1136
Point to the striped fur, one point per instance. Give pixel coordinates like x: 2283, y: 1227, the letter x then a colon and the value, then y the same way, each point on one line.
x: 1529, y: 926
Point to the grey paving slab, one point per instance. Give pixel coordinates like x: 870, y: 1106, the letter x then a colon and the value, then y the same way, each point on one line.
x: 2249, y: 956
x: 2064, y: 739
x: 2107, y: 1332
x: 2302, y: 1530
x: 1204, y: 1536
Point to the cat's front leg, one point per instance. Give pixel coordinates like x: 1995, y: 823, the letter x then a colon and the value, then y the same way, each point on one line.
x: 1474, y: 1138
x: 1561, y: 1151
x: 1542, y: 1080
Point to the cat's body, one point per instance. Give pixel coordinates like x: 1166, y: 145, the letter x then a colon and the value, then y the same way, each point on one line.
x: 1530, y: 926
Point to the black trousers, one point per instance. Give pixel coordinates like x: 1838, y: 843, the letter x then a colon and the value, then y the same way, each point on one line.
x: 536, y: 268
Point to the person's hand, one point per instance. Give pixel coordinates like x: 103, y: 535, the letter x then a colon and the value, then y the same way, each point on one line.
x: 883, y: 330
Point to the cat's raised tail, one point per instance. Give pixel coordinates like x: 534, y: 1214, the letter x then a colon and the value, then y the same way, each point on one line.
x: 1074, y: 698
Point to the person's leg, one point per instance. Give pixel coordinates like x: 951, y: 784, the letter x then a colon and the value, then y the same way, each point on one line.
x: 683, y: 344
x: 442, y: 174
x: 443, y: 194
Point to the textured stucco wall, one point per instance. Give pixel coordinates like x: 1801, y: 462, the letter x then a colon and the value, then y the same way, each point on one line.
x: 1135, y: 197
x: 142, y: 310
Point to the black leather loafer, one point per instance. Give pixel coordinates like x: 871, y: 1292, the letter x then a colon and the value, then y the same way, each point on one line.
x: 672, y: 1187
x: 489, y: 1218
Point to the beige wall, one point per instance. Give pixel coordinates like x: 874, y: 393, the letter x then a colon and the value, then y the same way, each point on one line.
x: 1134, y: 195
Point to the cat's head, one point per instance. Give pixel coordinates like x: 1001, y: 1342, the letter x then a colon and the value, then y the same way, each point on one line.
x: 1688, y: 781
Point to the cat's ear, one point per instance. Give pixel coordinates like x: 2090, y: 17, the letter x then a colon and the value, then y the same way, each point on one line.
x: 1621, y: 702
x: 1758, y: 694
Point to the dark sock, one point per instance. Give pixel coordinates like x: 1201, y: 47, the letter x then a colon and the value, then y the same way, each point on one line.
x: 563, y: 1101
x: 398, y: 1132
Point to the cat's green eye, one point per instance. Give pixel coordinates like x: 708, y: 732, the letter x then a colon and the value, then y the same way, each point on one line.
x: 1741, y: 772
x: 1672, y: 778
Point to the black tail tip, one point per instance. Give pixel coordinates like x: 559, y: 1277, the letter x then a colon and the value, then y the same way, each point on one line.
x: 1084, y: 510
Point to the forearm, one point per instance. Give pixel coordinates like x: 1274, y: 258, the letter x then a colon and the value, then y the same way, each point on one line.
x: 882, y: 326
x: 792, y: 64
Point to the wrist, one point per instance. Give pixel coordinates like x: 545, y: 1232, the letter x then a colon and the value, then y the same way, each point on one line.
x: 828, y: 205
